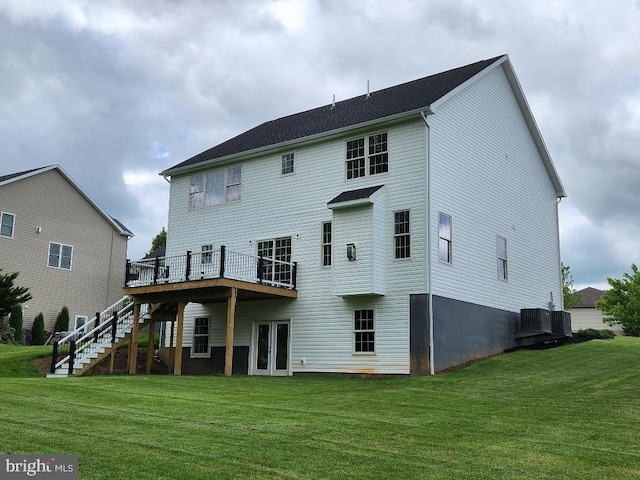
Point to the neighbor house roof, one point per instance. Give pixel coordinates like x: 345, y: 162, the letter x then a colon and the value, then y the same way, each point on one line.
x: 424, y: 94
x: 589, y: 297
x: 14, y: 177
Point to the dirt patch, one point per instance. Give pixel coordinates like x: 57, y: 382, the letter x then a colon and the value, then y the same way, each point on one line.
x: 119, y: 365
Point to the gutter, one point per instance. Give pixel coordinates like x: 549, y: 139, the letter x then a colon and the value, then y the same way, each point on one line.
x: 429, y: 276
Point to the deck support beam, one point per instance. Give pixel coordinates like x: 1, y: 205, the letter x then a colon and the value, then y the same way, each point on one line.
x: 177, y: 363
x: 133, y: 344
x: 151, y: 346
x: 231, y: 318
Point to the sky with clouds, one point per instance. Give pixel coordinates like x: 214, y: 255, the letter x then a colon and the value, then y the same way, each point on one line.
x: 116, y: 91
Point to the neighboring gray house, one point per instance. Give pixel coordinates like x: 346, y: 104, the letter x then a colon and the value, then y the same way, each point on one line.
x: 67, y: 250
x: 586, y: 315
x: 421, y: 219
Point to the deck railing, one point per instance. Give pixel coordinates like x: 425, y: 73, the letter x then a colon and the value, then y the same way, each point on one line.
x: 218, y: 263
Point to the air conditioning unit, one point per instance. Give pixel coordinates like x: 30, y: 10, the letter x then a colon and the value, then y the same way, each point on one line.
x: 535, y: 321
x: 561, y: 323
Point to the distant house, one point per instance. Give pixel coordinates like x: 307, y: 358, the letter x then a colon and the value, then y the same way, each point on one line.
x: 586, y: 315
x: 67, y: 250
x: 398, y: 232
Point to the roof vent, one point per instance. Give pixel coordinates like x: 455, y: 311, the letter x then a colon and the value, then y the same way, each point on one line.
x: 368, y: 94
x: 333, y: 104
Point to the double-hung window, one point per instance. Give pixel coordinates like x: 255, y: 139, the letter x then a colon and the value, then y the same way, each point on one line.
x: 501, y: 244
x: 60, y: 256
x: 367, y: 154
x: 215, y: 187
x: 364, y: 334
x: 287, y: 163
x: 402, y: 234
x: 326, y: 244
x: 276, y: 259
x: 7, y: 222
x: 444, y: 238
x: 206, y: 256
x: 200, y: 346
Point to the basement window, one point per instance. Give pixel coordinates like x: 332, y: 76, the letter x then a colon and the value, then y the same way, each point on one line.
x: 200, y: 346
x: 363, y: 332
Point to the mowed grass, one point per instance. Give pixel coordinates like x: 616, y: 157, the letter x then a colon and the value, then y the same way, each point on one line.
x: 568, y: 412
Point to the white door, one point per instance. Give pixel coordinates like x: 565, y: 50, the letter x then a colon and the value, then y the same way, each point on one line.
x: 270, y: 348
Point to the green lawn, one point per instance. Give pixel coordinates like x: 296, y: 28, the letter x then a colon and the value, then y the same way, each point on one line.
x: 569, y: 412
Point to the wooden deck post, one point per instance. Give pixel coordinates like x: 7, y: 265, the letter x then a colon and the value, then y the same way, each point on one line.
x: 151, y: 346
x: 133, y: 344
x: 177, y: 363
x: 231, y: 318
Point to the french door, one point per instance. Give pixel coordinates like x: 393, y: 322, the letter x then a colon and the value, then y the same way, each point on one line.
x: 270, y: 354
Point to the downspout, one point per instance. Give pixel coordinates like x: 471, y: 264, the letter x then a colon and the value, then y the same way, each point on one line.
x: 430, y: 294
x: 559, y: 253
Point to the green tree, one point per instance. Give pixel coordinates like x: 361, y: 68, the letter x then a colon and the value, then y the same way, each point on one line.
x: 15, y: 321
x: 11, y: 295
x: 569, y: 294
x: 160, y: 240
x: 621, y: 303
x: 37, y: 330
x: 62, y: 320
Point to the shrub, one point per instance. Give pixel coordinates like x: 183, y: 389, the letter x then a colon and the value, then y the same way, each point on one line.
x: 62, y: 321
x: 6, y: 332
x: 592, y: 333
x: 631, y: 331
x: 15, y: 321
x: 37, y: 330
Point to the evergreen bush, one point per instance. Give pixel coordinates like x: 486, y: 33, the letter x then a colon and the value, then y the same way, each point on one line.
x: 62, y: 321
x: 15, y: 321
x: 37, y: 330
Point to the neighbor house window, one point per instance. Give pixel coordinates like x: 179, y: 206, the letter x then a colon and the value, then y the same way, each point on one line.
x: 363, y: 331
x: 81, y: 321
x: 7, y: 221
x: 444, y: 238
x: 401, y: 234
x: 502, y: 258
x: 60, y: 255
x: 287, y: 163
x: 276, y: 259
x: 376, y: 159
x: 200, y: 346
x: 215, y: 187
x: 326, y: 244
x: 206, y: 254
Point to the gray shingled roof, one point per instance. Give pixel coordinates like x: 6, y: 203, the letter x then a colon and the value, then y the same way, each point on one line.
x: 18, y: 174
x: 407, y: 97
x: 589, y: 297
x: 355, y: 194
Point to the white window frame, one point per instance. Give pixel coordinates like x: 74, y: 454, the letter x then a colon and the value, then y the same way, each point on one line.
x: 271, y: 249
x: 80, y: 317
x: 206, y: 335
x: 326, y: 242
x: 404, y: 250
x: 206, y: 254
x: 445, y: 239
x: 502, y: 259
x: 2, y: 224
x: 215, y: 187
x: 365, y: 152
x: 60, y: 256
x: 364, y: 331
x: 288, y: 164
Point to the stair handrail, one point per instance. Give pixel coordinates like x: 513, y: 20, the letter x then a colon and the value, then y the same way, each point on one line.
x: 102, y: 325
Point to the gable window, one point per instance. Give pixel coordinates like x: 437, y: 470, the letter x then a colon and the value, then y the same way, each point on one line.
x: 444, y: 238
x: 502, y: 258
x: 60, y: 255
x: 7, y: 221
x: 287, y: 163
x: 200, y: 346
x: 326, y: 244
x: 215, y: 187
x: 377, y: 158
x: 401, y: 234
x: 363, y: 332
x: 276, y: 259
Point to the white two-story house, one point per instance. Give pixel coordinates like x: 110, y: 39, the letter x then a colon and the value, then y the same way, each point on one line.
x: 421, y: 219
